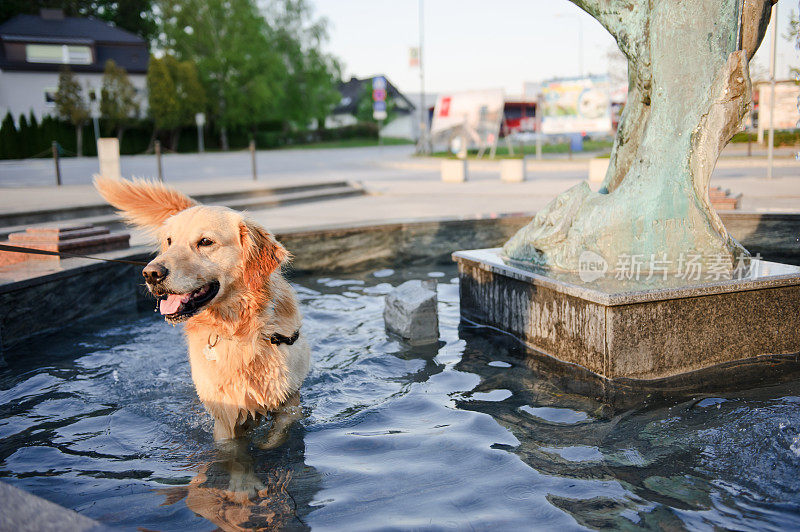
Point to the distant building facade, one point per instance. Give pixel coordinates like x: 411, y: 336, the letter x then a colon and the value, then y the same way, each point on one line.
x: 404, y: 125
x: 34, y: 49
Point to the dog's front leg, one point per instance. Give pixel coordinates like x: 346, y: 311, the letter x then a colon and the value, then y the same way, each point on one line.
x: 238, y: 462
x: 282, y: 419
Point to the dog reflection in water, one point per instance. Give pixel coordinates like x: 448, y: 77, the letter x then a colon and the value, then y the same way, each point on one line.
x: 247, y: 488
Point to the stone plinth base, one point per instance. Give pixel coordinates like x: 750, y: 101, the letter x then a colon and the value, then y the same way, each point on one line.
x: 644, y: 330
x: 82, y: 239
x: 512, y: 170
x: 454, y: 170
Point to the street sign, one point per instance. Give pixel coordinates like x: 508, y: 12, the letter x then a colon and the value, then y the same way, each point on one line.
x: 379, y: 83
x: 379, y: 98
x: 413, y: 56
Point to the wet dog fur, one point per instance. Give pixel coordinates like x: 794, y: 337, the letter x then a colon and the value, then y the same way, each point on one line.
x: 229, y: 267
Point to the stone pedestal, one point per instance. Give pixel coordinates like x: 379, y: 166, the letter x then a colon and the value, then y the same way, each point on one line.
x: 108, y: 157
x: 644, y: 329
x: 454, y: 170
x: 81, y: 239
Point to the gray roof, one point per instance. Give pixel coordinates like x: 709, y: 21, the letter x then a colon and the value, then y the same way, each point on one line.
x: 66, y: 28
x: 126, y: 49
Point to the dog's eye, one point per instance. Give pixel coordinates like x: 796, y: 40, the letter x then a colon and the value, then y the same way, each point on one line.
x: 204, y: 242
x: 169, y: 241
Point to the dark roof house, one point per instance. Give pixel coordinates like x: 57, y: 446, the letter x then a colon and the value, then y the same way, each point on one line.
x: 352, y: 90
x: 48, y: 41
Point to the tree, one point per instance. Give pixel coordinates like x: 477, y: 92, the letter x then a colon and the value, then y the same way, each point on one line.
x: 228, y: 41
x: 189, y: 92
x: 794, y: 35
x: 8, y: 138
x: 175, y: 95
x: 118, y: 102
x: 256, y: 67
x: 71, y: 106
x: 162, y: 97
x: 309, y: 89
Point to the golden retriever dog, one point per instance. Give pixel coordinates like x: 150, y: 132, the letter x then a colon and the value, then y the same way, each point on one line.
x: 219, y: 273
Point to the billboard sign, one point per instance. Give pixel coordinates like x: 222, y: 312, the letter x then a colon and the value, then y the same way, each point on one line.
x: 787, y: 96
x: 478, y: 111
x: 578, y: 105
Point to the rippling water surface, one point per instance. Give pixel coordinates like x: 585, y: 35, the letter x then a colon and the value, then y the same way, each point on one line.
x: 102, y: 418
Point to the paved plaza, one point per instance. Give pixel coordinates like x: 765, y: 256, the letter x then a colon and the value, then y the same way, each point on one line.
x: 399, y: 186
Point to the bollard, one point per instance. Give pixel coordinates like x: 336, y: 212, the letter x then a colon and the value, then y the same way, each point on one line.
x: 56, y: 161
x: 253, y: 158
x: 157, y: 146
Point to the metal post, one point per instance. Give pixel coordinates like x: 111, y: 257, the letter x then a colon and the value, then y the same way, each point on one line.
x: 423, y: 111
x: 158, y: 160
x: 771, y: 137
x: 96, y: 129
x: 56, y: 162
x: 200, y: 146
x: 539, y: 110
x: 253, y: 158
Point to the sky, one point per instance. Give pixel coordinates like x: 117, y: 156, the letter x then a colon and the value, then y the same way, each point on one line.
x: 481, y: 44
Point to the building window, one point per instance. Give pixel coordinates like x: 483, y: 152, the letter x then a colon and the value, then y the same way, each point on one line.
x: 58, y: 53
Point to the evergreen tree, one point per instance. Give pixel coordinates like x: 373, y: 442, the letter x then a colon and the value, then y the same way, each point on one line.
x: 24, y: 137
x: 71, y: 106
x: 118, y: 103
x: 36, y: 134
x: 8, y: 138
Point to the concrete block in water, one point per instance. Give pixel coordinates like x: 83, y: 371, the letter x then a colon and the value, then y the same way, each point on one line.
x: 411, y: 311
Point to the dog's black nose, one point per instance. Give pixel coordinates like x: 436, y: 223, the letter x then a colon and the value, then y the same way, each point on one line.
x: 154, y: 273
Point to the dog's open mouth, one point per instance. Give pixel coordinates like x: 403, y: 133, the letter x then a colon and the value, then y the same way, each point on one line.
x: 179, y: 307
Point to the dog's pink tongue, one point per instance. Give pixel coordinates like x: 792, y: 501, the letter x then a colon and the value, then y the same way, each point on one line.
x: 171, y: 304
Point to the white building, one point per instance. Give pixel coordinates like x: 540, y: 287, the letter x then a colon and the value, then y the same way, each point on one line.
x: 34, y: 48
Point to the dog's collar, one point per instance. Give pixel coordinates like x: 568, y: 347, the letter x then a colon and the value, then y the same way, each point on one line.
x: 281, y: 339
x: 276, y: 338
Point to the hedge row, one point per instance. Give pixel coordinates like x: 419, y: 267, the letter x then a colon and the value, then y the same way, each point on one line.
x: 32, y: 138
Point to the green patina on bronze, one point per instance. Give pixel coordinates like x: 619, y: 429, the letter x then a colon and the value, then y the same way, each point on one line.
x: 688, y: 90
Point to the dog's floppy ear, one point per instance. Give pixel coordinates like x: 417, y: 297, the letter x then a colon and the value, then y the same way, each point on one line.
x: 143, y: 203
x: 262, y: 254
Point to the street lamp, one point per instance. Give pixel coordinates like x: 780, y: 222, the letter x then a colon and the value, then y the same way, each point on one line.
x: 422, y: 145
x: 580, y: 39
